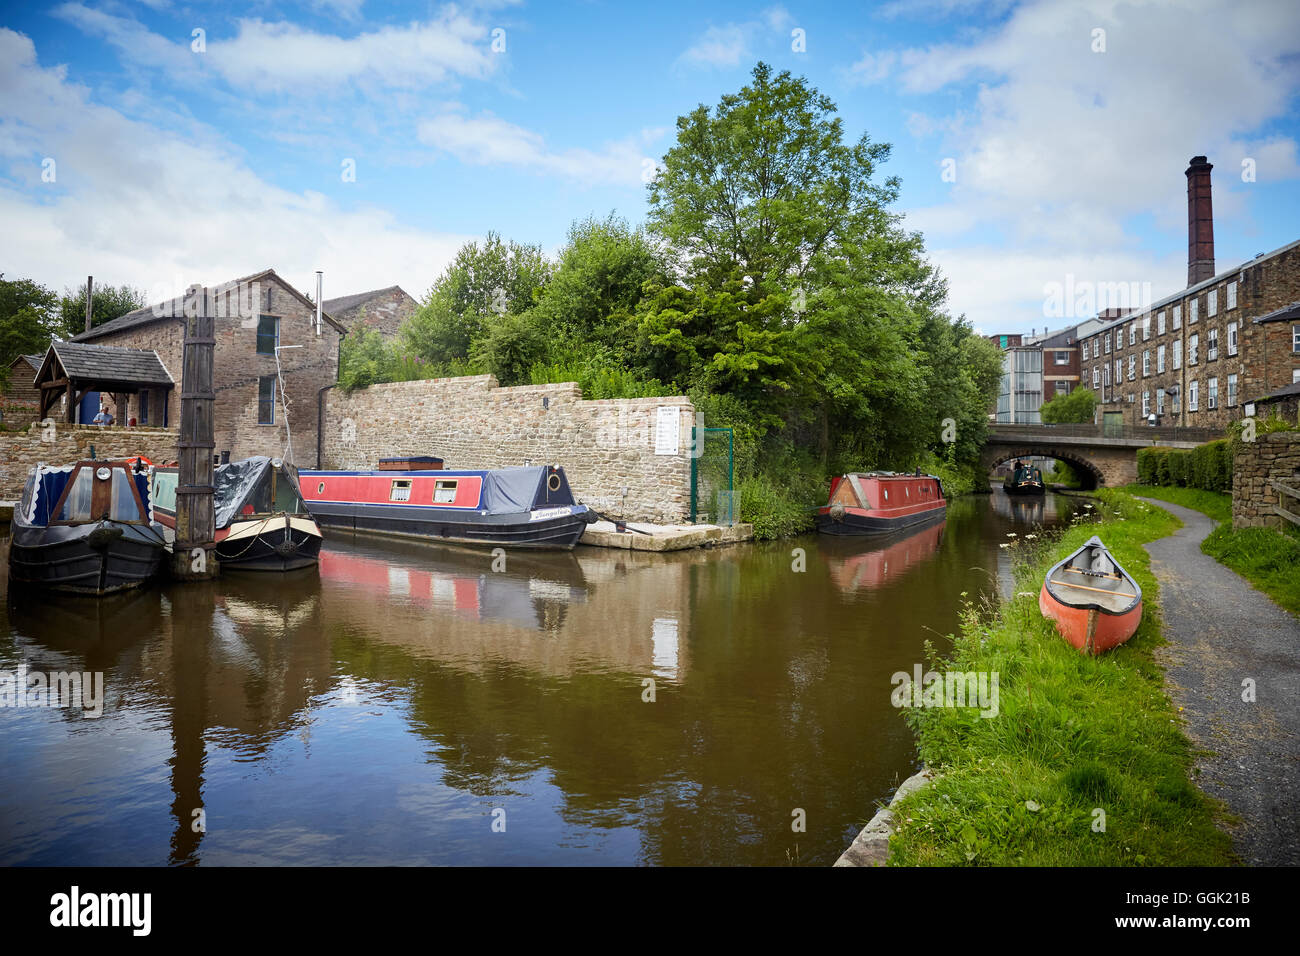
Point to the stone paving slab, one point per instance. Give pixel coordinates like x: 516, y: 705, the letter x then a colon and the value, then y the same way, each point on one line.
x: 661, y: 537
x: 1222, y: 632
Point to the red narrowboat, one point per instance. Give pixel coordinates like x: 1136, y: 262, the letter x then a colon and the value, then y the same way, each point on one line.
x: 527, y: 507
x: 1095, y: 603
x: 879, y: 502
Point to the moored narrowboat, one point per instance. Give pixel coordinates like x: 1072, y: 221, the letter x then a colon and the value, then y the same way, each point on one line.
x: 1024, y: 480
x: 261, y: 521
x: 880, y: 502
x: 1095, y: 603
x: 525, y: 507
x: 84, y: 528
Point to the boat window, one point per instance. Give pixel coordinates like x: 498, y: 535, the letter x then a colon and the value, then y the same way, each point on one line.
x: 401, y: 490
x: 122, y: 505
x: 286, y: 495
x: 76, y: 504
x: 444, y: 492
x: 886, y: 491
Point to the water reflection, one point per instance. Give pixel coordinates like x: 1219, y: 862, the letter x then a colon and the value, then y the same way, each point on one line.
x: 379, y: 710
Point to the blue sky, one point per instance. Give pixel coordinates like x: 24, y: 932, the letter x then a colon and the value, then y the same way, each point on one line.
x: 176, y: 160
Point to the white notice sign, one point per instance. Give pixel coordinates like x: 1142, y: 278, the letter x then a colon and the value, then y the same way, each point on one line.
x: 668, y: 430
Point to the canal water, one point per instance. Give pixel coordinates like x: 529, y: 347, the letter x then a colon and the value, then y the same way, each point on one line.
x: 409, y: 704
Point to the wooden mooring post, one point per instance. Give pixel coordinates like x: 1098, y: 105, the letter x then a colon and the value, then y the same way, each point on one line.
x: 193, y: 557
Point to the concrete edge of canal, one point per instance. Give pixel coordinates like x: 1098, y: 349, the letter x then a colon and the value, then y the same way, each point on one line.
x: 871, y: 846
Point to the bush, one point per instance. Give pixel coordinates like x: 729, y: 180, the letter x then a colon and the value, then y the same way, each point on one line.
x: 1207, y: 467
x: 775, y: 511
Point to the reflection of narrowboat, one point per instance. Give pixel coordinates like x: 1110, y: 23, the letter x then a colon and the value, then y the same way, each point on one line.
x: 887, y: 559
x: 880, y: 502
x: 528, y: 507
x: 1095, y: 603
x: 261, y: 521
x: 85, y: 528
x: 1024, y: 480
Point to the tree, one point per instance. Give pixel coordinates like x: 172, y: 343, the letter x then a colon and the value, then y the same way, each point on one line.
x: 765, y: 186
x: 107, y: 303
x: 1078, y: 406
x: 492, y: 279
x: 28, y: 320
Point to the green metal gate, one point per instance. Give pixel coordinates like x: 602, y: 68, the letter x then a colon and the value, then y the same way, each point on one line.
x: 713, y: 465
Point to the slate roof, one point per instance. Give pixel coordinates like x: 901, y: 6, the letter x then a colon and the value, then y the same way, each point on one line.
x: 108, y: 363
x: 173, y: 310
x: 1287, y: 312
x: 1283, y: 392
x: 34, y: 361
x: 345, y: 302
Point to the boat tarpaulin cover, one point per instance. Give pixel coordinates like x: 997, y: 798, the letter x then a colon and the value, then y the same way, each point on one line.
x: 235, y: 483
x: 512, y: 490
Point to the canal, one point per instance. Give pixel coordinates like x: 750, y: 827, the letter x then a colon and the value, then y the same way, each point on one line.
x: 407, y: 704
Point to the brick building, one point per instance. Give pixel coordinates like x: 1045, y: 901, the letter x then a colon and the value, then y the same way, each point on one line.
x: 1195, y: 357
x: 382, y: 309
x: 265, y: 333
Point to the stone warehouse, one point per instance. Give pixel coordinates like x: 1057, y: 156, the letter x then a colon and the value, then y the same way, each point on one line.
x: 618, y: 454
x: 382, y: 309
x: 270, y: 365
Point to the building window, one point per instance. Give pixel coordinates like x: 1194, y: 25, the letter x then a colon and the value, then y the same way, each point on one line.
x: 1107, y: 343
x: 1178, y: 353
x: 1211, y: 303
x: 1160, y: 323
x: 400, y: 490
x: 1146, y: 403
x: 1160, y: 401
x: 1212, y: 393
x: 1193, y: 390
x: 266, y: 400
x: 1119, y: 371
x: 1085, y: 351
x: 1193, y: 344
x: 1160, y: 359
x: 1062, y: 358
x: 1295, y: 338
x: 1175, y: 401
x: 1295, y: 376
x: 1146, y: 327
x: 1096, y: 378
x: 1231, y: 296
x: 1062, y: 388
x: 1146, y: 362
x: 1178, y: 317
x: 1232, y: 338
x: 1211, y: 345
x: 444, y: 491
x: 1105, y: 375
x: 268, y: 334
x: 1132, y: 333
x: 1193, y: 308
x: 1131, y: 398
x: 1132, y: 367
x: 1232, y: 390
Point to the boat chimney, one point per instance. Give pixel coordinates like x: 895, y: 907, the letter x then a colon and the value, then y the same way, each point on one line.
x: 1200, y: 222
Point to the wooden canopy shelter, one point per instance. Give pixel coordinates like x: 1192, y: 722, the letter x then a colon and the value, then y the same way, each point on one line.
x: 75, y: 368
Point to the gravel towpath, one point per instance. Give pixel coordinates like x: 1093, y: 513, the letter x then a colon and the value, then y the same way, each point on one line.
x: 1221, y: 633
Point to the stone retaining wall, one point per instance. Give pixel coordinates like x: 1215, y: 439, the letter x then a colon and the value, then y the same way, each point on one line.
x: 1271, y: 457
x: 607, y: 447
x: 60, y: 444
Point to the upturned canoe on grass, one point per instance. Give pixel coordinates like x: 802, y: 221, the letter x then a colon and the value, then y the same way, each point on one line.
x: 1095, y: 603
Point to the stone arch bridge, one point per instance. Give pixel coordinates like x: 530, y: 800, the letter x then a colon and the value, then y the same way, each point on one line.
x: 1106, y: 455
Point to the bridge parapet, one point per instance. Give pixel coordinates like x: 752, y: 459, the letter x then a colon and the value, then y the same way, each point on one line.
x: 1144, y: 434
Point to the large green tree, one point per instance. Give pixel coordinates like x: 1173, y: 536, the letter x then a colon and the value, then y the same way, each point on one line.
x: 107, y: 302
x: 1076, y: 407
x: 29, y: 318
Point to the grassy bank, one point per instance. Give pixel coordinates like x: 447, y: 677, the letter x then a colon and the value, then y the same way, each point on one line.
x: 1073, y: 735
x: 1268, y: 559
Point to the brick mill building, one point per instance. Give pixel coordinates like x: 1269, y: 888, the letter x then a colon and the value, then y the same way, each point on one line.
x: 1197, y: 357
x: 381, y: 309
x: 265, y: 332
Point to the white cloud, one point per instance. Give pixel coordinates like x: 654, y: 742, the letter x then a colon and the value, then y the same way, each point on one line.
x: 1060, y: 149
x: 720, y: 46
x: 487, y: 140
x: 278, y: 57
x: 137, y: 204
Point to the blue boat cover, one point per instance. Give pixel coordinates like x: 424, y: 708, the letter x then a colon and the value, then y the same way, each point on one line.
x: 512, y: 490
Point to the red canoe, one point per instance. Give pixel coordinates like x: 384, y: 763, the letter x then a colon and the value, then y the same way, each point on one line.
x: 1094, y: 601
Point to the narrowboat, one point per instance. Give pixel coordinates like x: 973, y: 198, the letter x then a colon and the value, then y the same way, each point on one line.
x: 880, y: 502
x: 1024, y: 480
x: 84, y: 528
x: 525, y: 507
x: 1095, y: 603
x: 261, y: 521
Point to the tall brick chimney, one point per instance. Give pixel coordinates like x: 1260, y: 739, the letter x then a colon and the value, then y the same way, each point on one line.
x: 1200, y: 222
